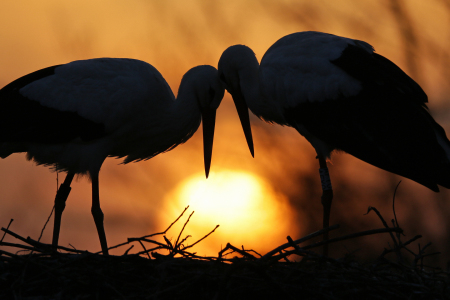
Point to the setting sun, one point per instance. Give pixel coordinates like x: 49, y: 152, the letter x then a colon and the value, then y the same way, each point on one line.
x: 229, y: 195
x: 243, y: 204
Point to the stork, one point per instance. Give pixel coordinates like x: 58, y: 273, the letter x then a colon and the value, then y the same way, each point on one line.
x: 72, y: 117
x: 340, y: 95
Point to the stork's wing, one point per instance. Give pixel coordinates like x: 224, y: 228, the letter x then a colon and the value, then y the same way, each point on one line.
x: 25, y: 120
x: 386, y: 124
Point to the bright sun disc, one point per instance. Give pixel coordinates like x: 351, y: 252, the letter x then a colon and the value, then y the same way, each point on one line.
x: 246, y: 208
x: 225, y: 197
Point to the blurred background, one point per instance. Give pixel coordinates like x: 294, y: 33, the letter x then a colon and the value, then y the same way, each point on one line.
x: 257, y: 201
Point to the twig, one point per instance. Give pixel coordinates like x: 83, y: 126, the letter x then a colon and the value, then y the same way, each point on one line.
x: 352, y: 236
x: 334, y: 240
x: 393, y: 204
x: 144, y: 238
x: 49, y: 248
x: 187, y: 247
x: 229, y: 246
x: 20, y: 246
x: 396, y: 243
x: 128, y: 250
x: 45, y: 225
x: 167, y: 229
x: 148, y: 255
x: 293, y: 244
x: 10, y: 221
x: 176, y: 246
x: 301, y: 240
x: 14, y: 235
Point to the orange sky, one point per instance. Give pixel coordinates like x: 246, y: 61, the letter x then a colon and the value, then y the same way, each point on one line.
x: 175, y: 36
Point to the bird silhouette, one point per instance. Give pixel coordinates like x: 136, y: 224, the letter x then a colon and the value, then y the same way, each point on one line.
x: 72, y: 117
x: 341, y: 95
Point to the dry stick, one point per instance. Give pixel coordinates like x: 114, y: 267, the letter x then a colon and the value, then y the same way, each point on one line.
x: 53, y: 209
x: 395, y: 221
x: 354, y: 235
x: 45, y: 225
x: 151, y: 249
x: 396, y: 244
x: 44, y: 246
x: 412, y: 240
x: 14, y: 235
x: 303, y: 253
x: 346, y: 237
x: 169, y: 244
x: 403, y: 245
x: 153, y: 234
x: 301, y: 240
x: 144, y: 238
x: 229, y: 246
x: 251, y: 250
x: 157, y: 243
x: 285, y: 258
x: 37, y: 244
x: 20, y: 246
x: 10, y: 221
x: 293, y: 244
x: 184, y: 240
x: 421, y: 254
x: 187, y: 247
x: 145, y: 249
x: 181, y: 252
x: 182, y: 229
x: 393, y: 204
x: 128, y: 250
x: 7, y: 253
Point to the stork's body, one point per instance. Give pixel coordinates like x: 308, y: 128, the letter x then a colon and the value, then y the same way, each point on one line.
x: 72, y: 117
x: 340, y: 95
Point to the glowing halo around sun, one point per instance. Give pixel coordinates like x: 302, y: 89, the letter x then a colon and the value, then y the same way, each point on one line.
x: 247, y: 209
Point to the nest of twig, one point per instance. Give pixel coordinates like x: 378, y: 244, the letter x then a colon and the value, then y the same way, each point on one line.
x: 37, y: 271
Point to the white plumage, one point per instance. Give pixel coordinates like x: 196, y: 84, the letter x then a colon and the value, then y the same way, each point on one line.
x: 72, y: 117
x: 340, y: 95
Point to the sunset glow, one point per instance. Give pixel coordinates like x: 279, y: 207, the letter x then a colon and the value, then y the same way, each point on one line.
x: 242, y: 204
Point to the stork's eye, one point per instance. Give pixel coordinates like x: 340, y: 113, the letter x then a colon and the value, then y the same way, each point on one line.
x: 212, y: 92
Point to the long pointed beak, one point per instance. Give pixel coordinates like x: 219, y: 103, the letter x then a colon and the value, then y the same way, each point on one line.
x: 208, y: 123
x: 242, y: 110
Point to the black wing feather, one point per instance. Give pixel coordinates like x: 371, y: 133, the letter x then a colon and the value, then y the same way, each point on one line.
x: 23, y: 120
x: 387, y: 124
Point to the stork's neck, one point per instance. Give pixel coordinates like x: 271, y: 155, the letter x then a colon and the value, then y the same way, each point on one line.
x: 254, y: 96
x: 249, y: 84
x: 185, y: 113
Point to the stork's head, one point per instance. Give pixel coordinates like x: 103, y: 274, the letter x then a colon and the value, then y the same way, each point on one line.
x: 237, y: 65
x: 204, y: 82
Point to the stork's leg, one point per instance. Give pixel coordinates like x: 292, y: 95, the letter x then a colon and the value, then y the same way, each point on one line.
x: 327, y: 197
x: 60, y: 204
x: 98, y: 214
